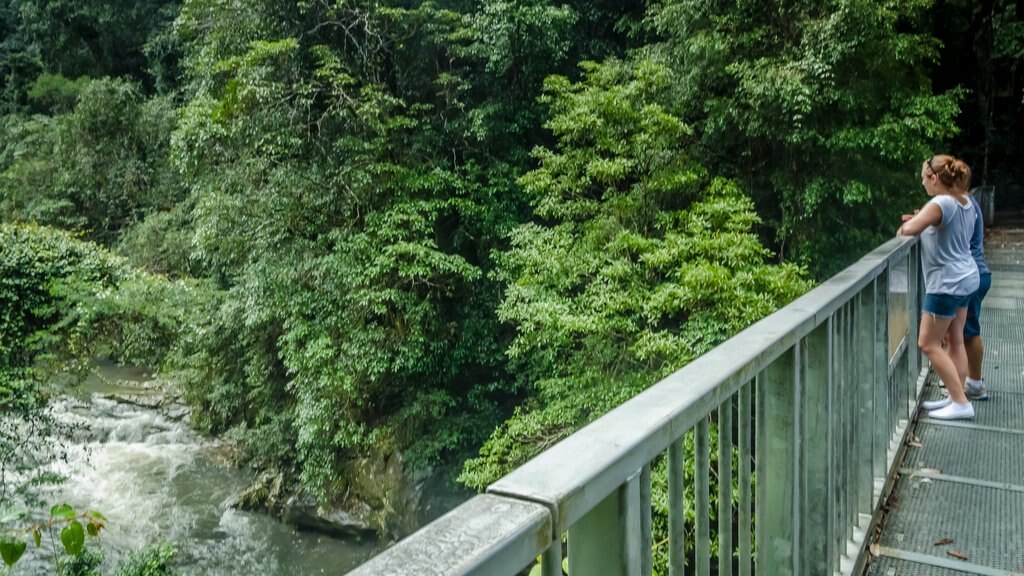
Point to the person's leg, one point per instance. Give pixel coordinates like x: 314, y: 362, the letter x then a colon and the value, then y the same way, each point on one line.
x: 972, y: 329
x: 930, y: 342
x: 975, y: 353
x: 955, y: 344
x: 974, y: 386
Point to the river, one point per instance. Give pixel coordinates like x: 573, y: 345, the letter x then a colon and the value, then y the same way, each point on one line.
x: 155, y: 480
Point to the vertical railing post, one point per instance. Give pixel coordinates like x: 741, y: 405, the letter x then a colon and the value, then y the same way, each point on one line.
x: 847, y: 388
x: 606, y: 540
x: 883, y: 425
x: 915, y: 293
x: 817, y: 478
x: 777, y: 464
x: 865, y: 374
x: 551, y: 560
x: 702, y: 499
x: 744, y: 443
x: 853, y: 415
x: 676, y: 510
x: 646, y: 523
x: 725, y: 488
x: 838, y: 435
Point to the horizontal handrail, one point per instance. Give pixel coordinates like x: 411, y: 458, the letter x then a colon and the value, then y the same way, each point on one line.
x: 827, y: 393
x: 604, y: 453
x: 486, y: 535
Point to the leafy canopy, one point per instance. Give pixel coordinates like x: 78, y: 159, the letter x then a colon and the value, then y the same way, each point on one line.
x: 641, y: 261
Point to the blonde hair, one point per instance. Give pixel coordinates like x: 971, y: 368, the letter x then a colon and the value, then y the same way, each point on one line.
x: 951, y: 172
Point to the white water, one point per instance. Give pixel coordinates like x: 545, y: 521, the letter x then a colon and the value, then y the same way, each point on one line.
x: 157, y: 481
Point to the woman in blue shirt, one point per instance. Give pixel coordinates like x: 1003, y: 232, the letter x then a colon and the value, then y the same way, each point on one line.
x: 975, y: 387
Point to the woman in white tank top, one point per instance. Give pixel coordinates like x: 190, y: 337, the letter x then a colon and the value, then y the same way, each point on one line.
x: 945, y: 225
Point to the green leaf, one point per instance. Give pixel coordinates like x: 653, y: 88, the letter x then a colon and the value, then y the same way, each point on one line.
x: 62, y: 511
x: 92, y: 529
x: 73, y: 538
x: 97, y: 515
x: 11, y: 550
x: 37, y: 536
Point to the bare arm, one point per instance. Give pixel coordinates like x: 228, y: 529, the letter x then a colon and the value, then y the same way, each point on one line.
x: 930, y: 215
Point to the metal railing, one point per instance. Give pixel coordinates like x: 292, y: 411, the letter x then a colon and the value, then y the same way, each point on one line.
x: 986, y: 197
x: 813, y: 399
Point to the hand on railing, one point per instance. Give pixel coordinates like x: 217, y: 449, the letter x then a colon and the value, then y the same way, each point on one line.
x: 905, y: 218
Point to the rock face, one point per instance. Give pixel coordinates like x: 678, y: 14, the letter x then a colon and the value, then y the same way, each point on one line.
x: 380, y: 500
x: 302, y: 511
x: 264, y: 493
x: 389, y: 490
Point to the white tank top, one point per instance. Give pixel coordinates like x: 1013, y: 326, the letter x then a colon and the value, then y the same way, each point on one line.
x: 948, y: 265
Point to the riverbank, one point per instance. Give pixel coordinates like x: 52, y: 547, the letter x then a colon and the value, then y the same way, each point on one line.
x: 137, y: 461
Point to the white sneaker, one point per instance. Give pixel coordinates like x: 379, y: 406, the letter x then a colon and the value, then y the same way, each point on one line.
x: 953, y: 411
x: 936, y: 404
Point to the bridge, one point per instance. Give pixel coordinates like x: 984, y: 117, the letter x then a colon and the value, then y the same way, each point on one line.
x: 820, y: 403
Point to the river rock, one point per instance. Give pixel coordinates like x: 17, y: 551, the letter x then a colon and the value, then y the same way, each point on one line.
x: 265, y: 493
x: 303, y: 512
x: 391, y: 490
x: 159, y: 395
x: 378, y: 497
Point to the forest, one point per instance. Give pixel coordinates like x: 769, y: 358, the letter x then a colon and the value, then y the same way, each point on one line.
x: 446, y: 234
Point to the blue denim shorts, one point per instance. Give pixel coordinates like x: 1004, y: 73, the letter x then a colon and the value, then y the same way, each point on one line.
x: 973, y: 326
x: 944, y: 305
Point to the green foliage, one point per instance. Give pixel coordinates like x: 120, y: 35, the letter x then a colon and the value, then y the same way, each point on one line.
x: 411, y: 218
x: 644, y: 265
x: 154, y: 560
x: 822, y: 108
x: 85, y: 563
x: 34, y: 262
x: 520, y: 41
x: 1008, y: 41
x: 95, y: 38
x: 342, y: 171
x: 98, y: 168
x: 74, y: 559
x: 161, y: 243
x: 70, y: 300
x: 55, y: 93
x: 11, y: 550
x: 982, y: 51
x: 351, y: 245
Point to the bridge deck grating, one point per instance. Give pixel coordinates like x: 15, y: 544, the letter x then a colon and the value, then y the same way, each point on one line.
x: 975, y: 493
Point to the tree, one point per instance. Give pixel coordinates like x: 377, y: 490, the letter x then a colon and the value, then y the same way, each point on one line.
x: 822, y: 108
x: 95, y: 38
x: 641, y: 261
x: 359, y: 160
x: 100, y: 168
x: 982, y: 50
x: 35, y: 263
x: 348, y: 241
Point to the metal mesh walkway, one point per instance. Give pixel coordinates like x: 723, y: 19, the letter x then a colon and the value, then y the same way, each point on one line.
x: 958, y: 506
